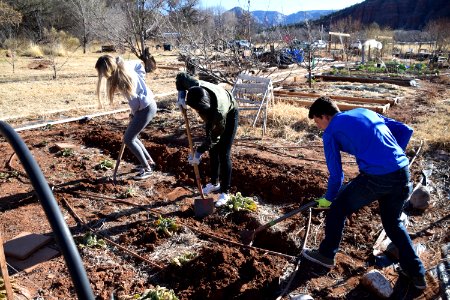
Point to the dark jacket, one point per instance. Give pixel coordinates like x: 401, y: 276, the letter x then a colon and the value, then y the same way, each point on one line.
x: 222, y: 103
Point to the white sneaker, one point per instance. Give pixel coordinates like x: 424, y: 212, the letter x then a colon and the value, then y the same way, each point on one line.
x: 223, y: 199
x: 209, y: 188
x: 143, y: 174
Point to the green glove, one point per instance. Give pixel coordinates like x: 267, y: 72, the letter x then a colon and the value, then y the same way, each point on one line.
x: 323, y: 203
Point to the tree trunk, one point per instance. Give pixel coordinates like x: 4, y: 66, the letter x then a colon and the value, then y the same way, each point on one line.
x: 149, y: 61
x: 84, y: 44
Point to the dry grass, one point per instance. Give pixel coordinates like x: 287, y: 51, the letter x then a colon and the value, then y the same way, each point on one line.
x: 288, y: 121
x: 285, y: 121
x: 30, y: 91
x: 434, y: 127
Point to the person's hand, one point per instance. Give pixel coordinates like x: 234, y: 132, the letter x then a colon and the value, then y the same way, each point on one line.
x: 181, y: 102
x: 195, y: 160
x: 323, y: 203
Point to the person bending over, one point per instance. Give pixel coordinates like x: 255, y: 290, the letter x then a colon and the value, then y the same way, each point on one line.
x: 129, y: 79
x: 218, y: 110
x: 378, y: 144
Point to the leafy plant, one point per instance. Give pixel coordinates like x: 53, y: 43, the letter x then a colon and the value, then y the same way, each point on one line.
x: 66, y: 152
x: 158, y: 293
x: 8, y: 175
x: 105, y: 164
x: 90, y: 240
x: 128, y: 193
x: 181, y: 260
x: 166, y: 225
x: 238, y: 202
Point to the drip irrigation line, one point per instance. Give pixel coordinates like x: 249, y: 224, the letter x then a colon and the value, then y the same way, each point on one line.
x: 243, y: 143
x: 132, y: 253
x: 297, y: 263
x: 153, y: 212
x: 95, y: 196
x: 287, y: 256
x: 86, y: 117
x: 31, y: 282
x: 417, y: 153
x: 274, y: 151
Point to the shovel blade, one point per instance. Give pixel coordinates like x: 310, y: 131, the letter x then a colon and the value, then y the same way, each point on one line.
x: 203, y: 207
x: 247, y: 237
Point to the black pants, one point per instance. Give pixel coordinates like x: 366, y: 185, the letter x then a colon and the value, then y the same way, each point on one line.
x: 220, y: 154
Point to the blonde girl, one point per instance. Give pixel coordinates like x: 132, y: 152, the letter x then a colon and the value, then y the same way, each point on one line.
x: 129, y: 79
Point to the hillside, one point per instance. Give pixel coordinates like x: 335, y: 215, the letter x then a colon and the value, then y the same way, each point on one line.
x: 396, y: 14
x: 274, y: 18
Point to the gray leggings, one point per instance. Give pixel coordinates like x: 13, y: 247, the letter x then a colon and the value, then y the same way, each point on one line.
x: 138, y: 122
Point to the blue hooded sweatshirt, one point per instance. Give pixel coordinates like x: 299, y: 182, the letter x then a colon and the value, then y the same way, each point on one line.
x: 377, y: 142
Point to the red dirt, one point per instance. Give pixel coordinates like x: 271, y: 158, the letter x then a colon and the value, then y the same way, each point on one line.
x: 281, y: 180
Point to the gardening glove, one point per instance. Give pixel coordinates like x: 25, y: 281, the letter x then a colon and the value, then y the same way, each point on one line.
x: 194, y: 160
x: 181, y: 102
x: 323, y: 203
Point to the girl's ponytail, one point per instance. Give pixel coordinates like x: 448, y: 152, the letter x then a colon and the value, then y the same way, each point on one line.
x: 120, y: 80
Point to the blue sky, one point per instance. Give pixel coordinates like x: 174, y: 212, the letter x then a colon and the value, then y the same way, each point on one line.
x: 283, y: 6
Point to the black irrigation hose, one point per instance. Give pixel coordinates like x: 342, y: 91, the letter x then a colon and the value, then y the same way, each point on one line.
x: 54, y: 215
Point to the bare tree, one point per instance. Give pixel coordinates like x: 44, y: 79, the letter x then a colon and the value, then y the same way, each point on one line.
x: 130, y: 23
x: 311, y: 59
x: 9, y: 22
x: 8, y: 15
x: 438, y: 31
x: 87, y: 14
x: 57, y: 41
x: 39, y: 15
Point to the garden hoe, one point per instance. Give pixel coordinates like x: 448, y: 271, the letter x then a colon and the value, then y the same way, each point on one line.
x: 203, y: 206
x: 122, y: 149
x: 247, y: 236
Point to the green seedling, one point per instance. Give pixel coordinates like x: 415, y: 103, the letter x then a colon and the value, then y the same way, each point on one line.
x: 66, y: 152
x: 181, y: 260
x: 158, y: 293
x: 128, y: 193
x: 238, y: 202
x: 167, y: 226
x: 105, y: 164
x: 90, y: 240
x: 9, y: 175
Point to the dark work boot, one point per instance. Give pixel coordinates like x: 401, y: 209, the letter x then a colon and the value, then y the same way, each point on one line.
x: 315, y: 256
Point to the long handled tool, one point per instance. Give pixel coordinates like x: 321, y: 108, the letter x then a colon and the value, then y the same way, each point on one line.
x: 203, y: 206
x: 247, y: 236
x: 191, y: 148
x: 122, y: 149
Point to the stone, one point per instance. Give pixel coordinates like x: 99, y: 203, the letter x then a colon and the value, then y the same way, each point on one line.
x: 24, y: 244
x: 377, y: 283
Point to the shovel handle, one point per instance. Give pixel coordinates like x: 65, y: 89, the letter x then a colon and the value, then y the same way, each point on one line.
x: 288, y: 215
x: 191, y: 148
x: 122, y: 149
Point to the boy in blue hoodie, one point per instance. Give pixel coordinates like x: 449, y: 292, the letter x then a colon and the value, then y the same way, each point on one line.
x: 378, y: 144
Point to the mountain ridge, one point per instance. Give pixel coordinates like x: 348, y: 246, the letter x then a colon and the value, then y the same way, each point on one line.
x: 274, y: 18
x: 395, y: 14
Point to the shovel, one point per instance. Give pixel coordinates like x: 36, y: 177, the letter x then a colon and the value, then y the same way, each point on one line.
x: 122, y: 149
x: 203, y: 206
x: 247, y: 236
